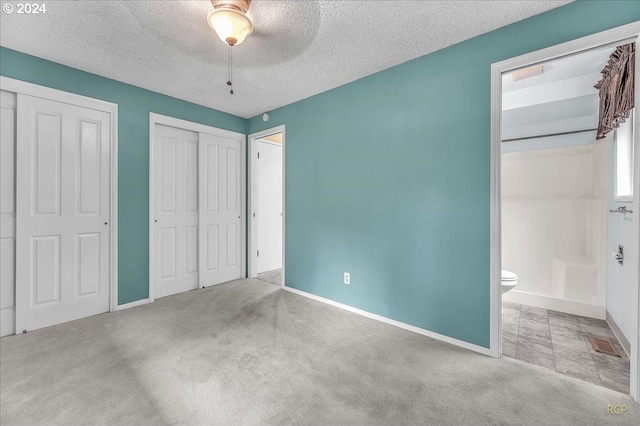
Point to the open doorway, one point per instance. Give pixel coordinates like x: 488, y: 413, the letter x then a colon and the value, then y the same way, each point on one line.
x: 558, y: 217
x: 266, y: 205
x: 560, y: 288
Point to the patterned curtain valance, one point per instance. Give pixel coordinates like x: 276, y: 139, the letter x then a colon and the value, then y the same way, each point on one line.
x: 616, y: 89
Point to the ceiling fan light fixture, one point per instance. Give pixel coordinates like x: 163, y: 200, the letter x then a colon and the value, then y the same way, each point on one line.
x: 229, y: 21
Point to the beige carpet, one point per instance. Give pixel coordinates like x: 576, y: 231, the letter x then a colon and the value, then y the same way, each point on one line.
x: 250, y: 353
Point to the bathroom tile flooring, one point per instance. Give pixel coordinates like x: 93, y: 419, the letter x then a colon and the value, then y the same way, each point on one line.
x: 560, y: 342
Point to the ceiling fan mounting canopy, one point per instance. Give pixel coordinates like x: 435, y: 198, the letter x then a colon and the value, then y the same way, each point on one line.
x: 241, y: 5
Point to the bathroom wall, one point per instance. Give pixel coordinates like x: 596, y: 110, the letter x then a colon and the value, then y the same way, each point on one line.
x: 619, y: 278
x: 554, y: 227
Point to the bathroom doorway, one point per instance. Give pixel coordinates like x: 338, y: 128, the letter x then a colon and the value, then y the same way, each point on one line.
x: 266, y: 206
x: 563, y: 202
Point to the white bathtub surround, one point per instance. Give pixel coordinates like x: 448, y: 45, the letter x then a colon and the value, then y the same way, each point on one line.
x: 554, y: 204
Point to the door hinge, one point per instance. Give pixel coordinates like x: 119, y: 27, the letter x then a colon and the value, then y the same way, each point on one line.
x: 258, y: 253
x: 258, y: 156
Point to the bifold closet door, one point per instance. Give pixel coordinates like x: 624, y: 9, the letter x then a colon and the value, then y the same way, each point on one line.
x: 175, y: 186
x: 7, y: 213
x: 220, y: 209
x: 63, y: 212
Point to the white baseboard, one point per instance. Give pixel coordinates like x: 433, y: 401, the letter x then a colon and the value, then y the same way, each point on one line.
x: 555, y: 304
x: 619, y: 334
x: 8, y: 315
x: 7, y: 321
x: 405, y: 326
x: 132, y: 304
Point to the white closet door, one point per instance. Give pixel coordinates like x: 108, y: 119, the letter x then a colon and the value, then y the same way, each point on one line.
x: 7, y: 213
x: 62, y: 228
x: 175, y: 211
x: 220, y: 209
x: 269, y: 206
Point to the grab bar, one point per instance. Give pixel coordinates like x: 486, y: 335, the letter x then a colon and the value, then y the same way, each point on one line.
x: 621, y: 209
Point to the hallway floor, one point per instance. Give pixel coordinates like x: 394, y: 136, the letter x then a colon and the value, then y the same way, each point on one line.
x: 271, y: 277
x: 560, y: 342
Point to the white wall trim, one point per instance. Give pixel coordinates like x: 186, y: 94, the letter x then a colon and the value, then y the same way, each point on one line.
x: 495, y: 239
x: 132, y: 304
x: 30, y: 89
x: 555, y: 304
x: 243, y: 206
x: 166, y: 120
x: 253, y: 196
x: 268, y: 142
x: 404, y: 326
x: 635, y: 271
x: 615, y: 36
x: 622, y: 339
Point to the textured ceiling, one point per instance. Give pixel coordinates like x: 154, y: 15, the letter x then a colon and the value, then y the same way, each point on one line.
x: 297, y: 49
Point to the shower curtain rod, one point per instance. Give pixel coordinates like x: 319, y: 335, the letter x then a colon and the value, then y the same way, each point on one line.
x: 548, y: 135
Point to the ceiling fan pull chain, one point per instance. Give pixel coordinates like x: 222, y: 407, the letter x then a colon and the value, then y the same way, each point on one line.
x: 230, y: 71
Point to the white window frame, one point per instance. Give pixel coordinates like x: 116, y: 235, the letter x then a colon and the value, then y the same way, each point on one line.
x: 623, y: 198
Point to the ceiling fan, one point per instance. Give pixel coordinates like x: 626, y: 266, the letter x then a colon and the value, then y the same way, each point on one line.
x: 232, y: 25
x: 230, y: 21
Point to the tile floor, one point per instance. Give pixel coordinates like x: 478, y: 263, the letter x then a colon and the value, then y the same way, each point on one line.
x: 560, y: 342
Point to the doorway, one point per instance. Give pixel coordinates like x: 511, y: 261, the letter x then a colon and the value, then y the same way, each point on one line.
x: 531, y: 64
x: 267, y: 205
x: 196, y: 206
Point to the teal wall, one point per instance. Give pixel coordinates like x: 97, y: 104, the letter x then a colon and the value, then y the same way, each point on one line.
x: 388, y: 178
x: 134, y: 105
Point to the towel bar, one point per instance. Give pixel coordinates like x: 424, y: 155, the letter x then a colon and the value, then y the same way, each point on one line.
x: 622, y: 209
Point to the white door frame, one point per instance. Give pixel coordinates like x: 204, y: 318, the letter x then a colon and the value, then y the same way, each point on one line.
x: 166, y: 120
x: 621, y: 35
x: 253, y: 203
x: 30, y: 89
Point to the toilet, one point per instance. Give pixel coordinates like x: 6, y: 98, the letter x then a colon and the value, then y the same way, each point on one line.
x: 509, y: 280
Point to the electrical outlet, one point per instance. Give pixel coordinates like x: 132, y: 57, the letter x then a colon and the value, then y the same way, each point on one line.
x: 347, y: 278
